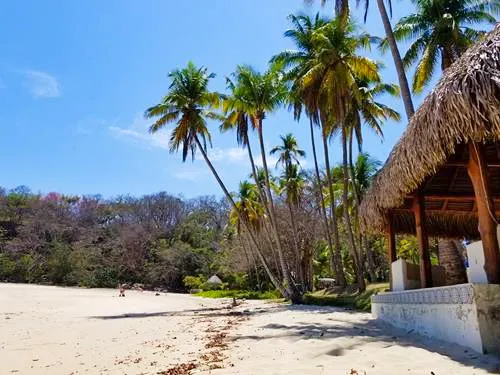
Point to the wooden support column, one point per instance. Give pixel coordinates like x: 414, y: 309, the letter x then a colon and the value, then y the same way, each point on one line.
x: 391, y: 241
x: 391, y: 246
x: 478, y: 174
x: 423, y: 242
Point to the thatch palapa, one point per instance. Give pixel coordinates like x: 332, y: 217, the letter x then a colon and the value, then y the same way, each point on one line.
x: 463, y: 107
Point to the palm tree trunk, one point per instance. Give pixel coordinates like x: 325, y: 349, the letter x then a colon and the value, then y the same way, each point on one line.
x: 293, y: 293
x: 398, y: 62
x: 254, y: 263
x: 274, y: 280
x: 450, y: 258
x: 298, y: 254
x: 347, y: 218
x: 336, y: 237
x: 333, y: 265
x: 262, y: 196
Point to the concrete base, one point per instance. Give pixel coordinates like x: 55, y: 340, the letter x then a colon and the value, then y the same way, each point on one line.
x: 466, y: 314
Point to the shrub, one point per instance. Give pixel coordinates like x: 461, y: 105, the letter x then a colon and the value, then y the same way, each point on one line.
x: 194, y: 282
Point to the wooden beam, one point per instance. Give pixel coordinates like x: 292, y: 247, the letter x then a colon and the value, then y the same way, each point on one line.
x: 478, y: 174
x: 445, y: 205
x: 493, y: 164
x: 391, y: 241
x: 423, y: 242
x: 391, y: 246
x: 450, y: 197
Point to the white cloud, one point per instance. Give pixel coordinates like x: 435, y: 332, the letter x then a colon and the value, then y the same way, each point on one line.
x: 41, y: 84
x: 138, y: 132
x: 228, y: 155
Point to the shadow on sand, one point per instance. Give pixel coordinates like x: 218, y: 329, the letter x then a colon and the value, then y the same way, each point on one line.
x: 363, y: 332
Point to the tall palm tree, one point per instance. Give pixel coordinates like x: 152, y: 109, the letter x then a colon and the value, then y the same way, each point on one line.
x: 396, y: 55
x: 289, y: 151
x: 368, y: 111
x: 260, y: 94
x: 299, y: 62
x: 334, y: 75
x: 442, y: 29
x: 364, y: 110
x: 248, y: 208
x: 292, y: 184
x: 236, y: 117
x: 188, y: 104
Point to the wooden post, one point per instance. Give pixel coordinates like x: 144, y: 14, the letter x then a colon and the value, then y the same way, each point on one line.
x: 478, y: 174
x: 391, y: 247
x: 423, y: 242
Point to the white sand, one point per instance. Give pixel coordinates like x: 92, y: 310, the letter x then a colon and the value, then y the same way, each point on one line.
x: 49, y: 330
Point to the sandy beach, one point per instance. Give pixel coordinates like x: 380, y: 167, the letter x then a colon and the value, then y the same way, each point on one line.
x: 51, y: 330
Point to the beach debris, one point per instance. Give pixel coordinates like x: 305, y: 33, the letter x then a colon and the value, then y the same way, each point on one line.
x: 181, y: 369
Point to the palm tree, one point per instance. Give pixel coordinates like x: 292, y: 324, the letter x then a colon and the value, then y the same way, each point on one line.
x: 188, y: 104
x: 248, y: 208
x: 441, y: 29
x: 237, y: 118
x: 259, y: 94
x: 299, y: 62
x: 293, y: 183
x: 398, y: 61
x: 334, y: 75
x: 289, y: 151
x: 366, y: 110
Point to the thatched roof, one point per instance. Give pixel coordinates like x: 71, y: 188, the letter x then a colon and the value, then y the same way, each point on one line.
x: 214, y: 280
x: 464, y: 106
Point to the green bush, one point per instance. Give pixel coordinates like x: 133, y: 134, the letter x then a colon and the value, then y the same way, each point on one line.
x: 7, y: 266
x: 194, y: 282
x: 240, y: 294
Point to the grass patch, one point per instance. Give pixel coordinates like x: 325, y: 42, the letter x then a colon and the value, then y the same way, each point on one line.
x: 240, y: 294
x: 346, y: 298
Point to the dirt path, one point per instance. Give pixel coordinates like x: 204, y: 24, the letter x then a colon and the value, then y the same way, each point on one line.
x: 49, y: 330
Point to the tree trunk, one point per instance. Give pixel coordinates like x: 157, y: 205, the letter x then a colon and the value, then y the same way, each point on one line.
x: 336, y: 238
x: 369, y: 258
x: 350, y: 234
x: 292, y: 293
x: 262, y: 195
x: 298, y: 255
x: 398, y: 62
x: 452, y: 262
x: 273, y: 279
x: 334, y: 266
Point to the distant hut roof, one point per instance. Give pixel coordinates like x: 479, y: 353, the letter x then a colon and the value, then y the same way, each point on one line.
x: 214, y: 280
x: 431, y: 154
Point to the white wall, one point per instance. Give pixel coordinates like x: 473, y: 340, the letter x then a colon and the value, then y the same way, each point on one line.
x: 475, y: 256
x: 456, y: 323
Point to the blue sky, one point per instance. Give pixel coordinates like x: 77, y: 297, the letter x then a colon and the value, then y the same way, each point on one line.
x: 76, y: 76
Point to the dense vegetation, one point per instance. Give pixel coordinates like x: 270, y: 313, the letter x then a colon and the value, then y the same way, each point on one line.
x: 328, y: 79
x: 278, y: 232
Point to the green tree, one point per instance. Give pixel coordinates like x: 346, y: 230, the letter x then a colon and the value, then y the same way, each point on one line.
x: 334, y: 75
x: 441, y: 30
x: 396, y: 55
x: 259, y: 94
x: 288, y: 151
x: 188, y: 104
x: 299, y: 62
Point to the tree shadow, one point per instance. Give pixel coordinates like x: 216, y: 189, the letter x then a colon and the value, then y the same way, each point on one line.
x: 209, y: 312
x: 365, y: 332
